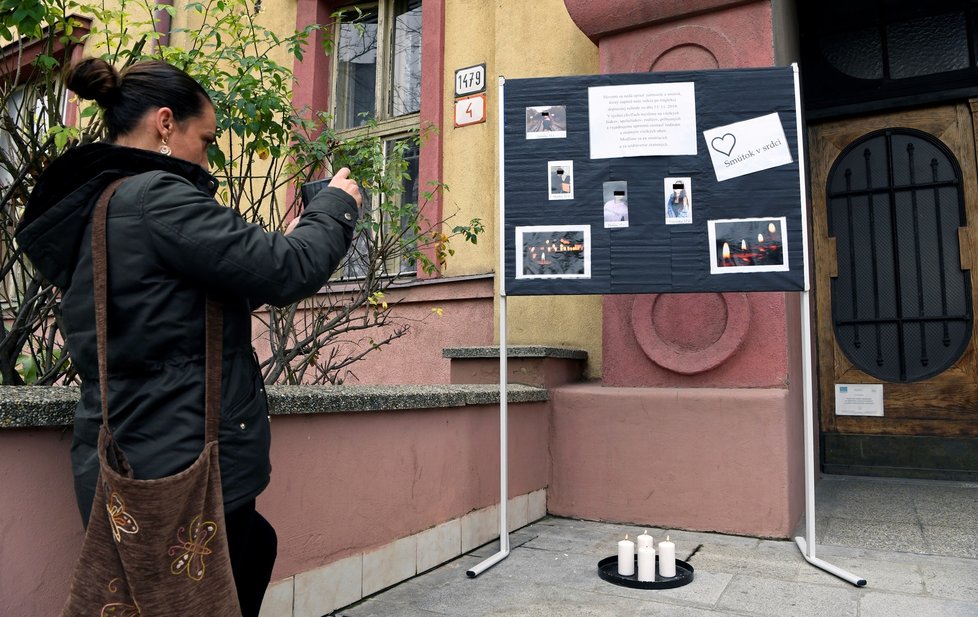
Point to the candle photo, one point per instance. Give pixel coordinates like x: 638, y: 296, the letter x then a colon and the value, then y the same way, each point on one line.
x: 558, y: 251
x: 646, y: 564
x: 667, y: 558
x: 626, y: 557
x: 731, y: 252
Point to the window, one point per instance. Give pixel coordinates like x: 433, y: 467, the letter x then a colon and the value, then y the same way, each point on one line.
x: 377, y: 88
x: 378, y: 63
x: 901, y: 304
x: 886, y: 54
x: 30, y: 110
x: 358, y: 259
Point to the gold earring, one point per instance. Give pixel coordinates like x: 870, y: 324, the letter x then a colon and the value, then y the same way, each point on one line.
x: 165, y: 149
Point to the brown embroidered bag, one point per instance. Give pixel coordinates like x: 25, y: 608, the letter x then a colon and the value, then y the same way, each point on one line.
x: 153, y: 548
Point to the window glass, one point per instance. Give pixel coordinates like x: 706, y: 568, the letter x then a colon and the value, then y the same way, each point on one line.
x: 927, y: 45
x: 409, y: 195
x: 901, y: 303
x: 356, y: 70
x: 856, y: 53
x: 405, y: 88
x: 378, y: 78
x: 29, y: 108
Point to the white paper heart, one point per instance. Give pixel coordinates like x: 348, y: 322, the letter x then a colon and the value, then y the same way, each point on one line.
x: 725, y: 144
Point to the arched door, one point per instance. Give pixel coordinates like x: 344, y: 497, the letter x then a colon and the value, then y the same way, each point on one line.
x: 895, y: 205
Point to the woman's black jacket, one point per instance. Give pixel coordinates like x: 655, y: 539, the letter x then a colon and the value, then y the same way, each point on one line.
x: 169, y: 245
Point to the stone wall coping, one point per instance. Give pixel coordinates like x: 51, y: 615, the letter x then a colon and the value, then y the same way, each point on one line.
x: 515, y: 351
x: 41, y: 406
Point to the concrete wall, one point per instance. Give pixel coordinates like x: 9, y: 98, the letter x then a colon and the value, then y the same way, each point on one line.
x: 708, y: 459
x: 347, y: 487
x: 348, y: 482
x: 40, y: 527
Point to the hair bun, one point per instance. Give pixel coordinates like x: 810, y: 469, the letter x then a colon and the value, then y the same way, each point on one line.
x: 95, y: 79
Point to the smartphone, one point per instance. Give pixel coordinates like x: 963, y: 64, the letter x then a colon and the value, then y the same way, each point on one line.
x: 310, y: 189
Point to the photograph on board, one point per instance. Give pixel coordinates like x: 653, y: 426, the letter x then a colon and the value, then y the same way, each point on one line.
x: 556, y: 251
x: 679, y: 200
x: 546, y: 122
x: 561, y: 179
x: 748, y: 245
x: 615, y: 203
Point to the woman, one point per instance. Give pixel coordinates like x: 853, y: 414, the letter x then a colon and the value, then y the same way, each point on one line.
x: 677, y: 202
x: 170, y: 245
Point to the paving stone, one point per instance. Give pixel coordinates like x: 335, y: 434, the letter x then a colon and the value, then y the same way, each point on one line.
x: 950, y: 541
x: 904, y: 537
x: 875, y: 604
x: 955, y: 579
x: 753, y: 595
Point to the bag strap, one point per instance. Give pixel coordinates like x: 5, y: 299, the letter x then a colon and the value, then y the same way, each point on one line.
x: 213, y: 325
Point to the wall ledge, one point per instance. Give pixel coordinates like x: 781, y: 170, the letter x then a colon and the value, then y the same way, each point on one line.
x: 42, y: 406
x: 515, y: 351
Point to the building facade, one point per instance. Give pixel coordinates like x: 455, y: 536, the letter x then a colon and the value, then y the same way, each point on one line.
x: 691, y: 411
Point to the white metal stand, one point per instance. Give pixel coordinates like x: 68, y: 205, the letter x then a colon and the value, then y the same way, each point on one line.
x: 503, y: 370
x: 807, y: 544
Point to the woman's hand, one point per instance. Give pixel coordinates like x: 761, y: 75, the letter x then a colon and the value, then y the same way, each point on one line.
x: 292, y: 225
x: 343, y: 182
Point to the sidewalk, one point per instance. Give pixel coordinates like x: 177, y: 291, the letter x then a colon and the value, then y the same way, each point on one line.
x: 552, y: 572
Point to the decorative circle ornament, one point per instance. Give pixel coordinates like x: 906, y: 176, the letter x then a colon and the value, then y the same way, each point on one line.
x: 691, y: 333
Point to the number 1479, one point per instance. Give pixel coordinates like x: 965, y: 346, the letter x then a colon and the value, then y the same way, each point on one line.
x: 470, y: 80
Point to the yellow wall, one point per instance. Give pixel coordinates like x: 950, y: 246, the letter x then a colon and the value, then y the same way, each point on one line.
x: 514, y: 43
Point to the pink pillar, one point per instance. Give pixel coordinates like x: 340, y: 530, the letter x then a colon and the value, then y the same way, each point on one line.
x: 700, y: 403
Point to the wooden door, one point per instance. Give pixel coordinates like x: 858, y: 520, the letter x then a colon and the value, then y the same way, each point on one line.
x: 900, y: 311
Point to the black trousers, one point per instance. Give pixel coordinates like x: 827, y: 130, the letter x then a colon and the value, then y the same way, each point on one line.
x: 252, y: 545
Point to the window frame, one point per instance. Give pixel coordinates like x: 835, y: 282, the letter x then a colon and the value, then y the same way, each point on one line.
x: 386, y: 122
x: 16, y: 72
x: 830, y: 93
x: 314, y: 89
x: 387, y: 127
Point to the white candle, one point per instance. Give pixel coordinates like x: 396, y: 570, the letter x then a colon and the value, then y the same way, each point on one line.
x: 644, y: 540
x: 646, y: 563
x: 626, y: 557
x: 667, y: 558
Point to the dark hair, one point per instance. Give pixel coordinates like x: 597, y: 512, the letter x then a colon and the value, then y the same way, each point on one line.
x: 143, y: 86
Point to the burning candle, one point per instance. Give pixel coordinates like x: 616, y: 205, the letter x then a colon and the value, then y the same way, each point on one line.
x: 646, y: 563
x: 771, y: 228
x: 760, y: 238
x: 726, y: 254
x: 667, y: 558
x: 744, y: 257
x: 626, y: 557
x: 644, y: 540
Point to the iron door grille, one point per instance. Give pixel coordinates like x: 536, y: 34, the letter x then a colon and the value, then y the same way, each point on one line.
x: 901, y: 304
